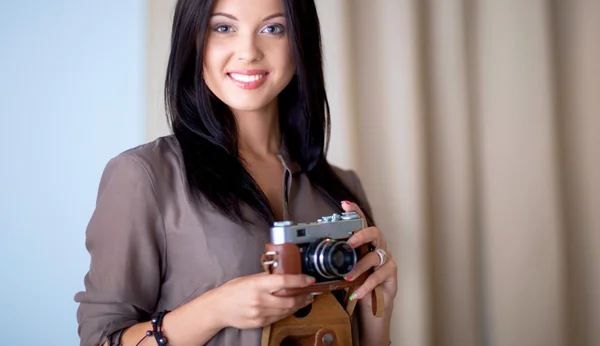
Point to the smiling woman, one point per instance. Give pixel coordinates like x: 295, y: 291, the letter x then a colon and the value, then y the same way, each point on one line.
x: 181, y: 222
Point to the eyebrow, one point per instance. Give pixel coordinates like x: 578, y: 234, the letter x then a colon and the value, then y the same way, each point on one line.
x: 275, y: 15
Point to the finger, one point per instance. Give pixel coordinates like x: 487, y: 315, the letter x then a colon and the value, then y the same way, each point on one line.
x: 275, y: 282
x: 301, y: 304
x: 350, y: 206
x: 367, y: 262
x: 374, y: 280
x: 378, y: 242
x: 264, y: 316
x: 282, y: 312
x: 370, y: 235
x: 272, y: 315
x: 286, y: 303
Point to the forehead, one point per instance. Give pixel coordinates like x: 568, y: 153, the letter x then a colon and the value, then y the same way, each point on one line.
x: 249, y: 9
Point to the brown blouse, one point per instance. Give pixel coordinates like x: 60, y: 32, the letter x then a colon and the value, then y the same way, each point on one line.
x: 153, y: 249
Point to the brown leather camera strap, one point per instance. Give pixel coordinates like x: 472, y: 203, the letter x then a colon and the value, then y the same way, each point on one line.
x: 350, y: 304
x: 266, y: 335
x: 377, y: 301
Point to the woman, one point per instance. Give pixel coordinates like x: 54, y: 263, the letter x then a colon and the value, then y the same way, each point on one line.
x: 180, y: 223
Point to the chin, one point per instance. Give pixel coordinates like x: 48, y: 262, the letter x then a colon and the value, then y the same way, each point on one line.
x: 248, y: 104
x: 246, y: 107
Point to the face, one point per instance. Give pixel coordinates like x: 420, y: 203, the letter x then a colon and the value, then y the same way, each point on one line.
x: 247, y: 57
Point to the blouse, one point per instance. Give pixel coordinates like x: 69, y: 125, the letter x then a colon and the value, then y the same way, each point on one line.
x: 153, y: 247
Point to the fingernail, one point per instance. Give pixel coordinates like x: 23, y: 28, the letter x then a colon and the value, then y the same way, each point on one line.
x: 348, y: 278
x: 345, y: 202
x: 311, y: 280
x: 353, y: 296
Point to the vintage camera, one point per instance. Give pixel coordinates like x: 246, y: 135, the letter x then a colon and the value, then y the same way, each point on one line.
x: 318, y: 249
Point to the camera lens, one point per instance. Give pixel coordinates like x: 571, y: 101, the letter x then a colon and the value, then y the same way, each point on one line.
x: 330, y: 258
x: 339, y: 258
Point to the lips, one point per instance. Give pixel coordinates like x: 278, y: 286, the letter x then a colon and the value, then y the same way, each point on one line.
x: 248, y: 79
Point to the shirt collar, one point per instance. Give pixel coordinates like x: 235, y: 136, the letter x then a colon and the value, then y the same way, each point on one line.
x: 286, y: 159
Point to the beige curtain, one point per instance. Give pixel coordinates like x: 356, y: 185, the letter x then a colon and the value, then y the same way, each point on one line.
x: 475, y: 128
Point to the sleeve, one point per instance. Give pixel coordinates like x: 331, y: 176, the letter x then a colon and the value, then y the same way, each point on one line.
x: 126, y: 242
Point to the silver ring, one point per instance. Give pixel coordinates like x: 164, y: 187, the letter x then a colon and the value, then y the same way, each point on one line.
x: 382, y: 256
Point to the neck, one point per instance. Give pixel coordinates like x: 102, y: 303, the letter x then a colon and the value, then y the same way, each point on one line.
x: 258, y: 131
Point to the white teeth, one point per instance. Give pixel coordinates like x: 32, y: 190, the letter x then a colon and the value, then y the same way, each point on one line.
x: 246, y: 78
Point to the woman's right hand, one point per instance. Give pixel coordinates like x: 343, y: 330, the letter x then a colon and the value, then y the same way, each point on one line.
x: 248, y: 302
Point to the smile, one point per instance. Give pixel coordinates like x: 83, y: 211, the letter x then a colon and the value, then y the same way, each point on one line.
x: 249, y: 80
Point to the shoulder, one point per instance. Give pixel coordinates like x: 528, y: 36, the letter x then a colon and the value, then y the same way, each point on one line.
x: 155, y: 154
x: 149, y: 163
x: 352, y: 181
x: 159, y: 155
x: 348, y: 177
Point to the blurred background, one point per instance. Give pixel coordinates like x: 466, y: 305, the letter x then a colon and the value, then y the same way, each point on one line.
x: 474, y: 126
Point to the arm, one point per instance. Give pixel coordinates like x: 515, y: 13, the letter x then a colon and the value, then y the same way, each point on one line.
x: 126, y: 241
x: 243, y: 303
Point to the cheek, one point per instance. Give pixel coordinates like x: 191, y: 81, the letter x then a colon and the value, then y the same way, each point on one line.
x: 215, y: 59
x: 286, y: 59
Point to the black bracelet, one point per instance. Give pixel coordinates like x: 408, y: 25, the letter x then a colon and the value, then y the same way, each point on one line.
x: 157, y: 328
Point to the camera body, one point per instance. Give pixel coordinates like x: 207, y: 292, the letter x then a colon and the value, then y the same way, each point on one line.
x: 318, y: 249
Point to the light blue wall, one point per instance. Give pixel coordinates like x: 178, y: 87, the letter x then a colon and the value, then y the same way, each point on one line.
x: 71, y: 96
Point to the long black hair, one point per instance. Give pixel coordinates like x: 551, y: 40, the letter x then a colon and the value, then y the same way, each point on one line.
x: 206, y: 129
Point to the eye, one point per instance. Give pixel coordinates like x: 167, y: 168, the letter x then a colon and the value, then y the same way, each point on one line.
x: 274, y: 29
x: 223, y: 28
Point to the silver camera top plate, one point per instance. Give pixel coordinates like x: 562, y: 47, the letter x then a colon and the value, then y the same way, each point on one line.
x: 336, y: 226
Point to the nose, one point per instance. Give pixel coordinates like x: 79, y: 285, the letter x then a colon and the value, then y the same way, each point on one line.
x: 248, y: 49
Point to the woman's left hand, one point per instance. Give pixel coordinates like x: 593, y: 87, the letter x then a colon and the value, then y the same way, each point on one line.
x: 385, y: 275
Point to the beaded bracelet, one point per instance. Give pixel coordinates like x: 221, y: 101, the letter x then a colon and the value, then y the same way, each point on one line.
x: 157, y: 329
